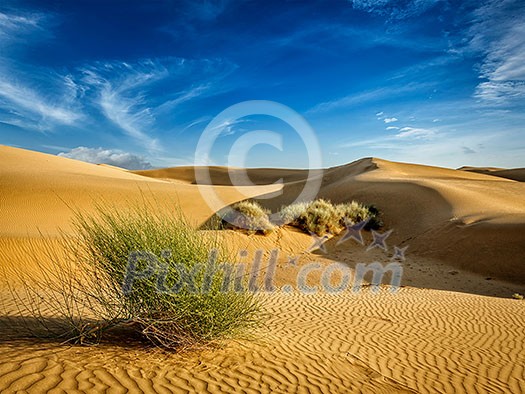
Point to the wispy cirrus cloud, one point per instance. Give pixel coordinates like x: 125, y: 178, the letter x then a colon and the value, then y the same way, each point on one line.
x: 127, y: 93
x: 14, y: 27
x: 35, y: 110
x: 366, y: 97
x: 468, y: 148
x: 497, y: 32
x: 415, y: 132
x: 118, y: 92
x: 22, y: 100
x: 187, y: 95
x: 39, y: 100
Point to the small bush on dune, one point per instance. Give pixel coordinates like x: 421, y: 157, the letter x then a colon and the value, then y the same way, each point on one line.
x: 178, y: 305
x: 291, y: 214
x: 353, y: 211
x: 321, y: 216
x: 356, y: 212
x: 250, y: 216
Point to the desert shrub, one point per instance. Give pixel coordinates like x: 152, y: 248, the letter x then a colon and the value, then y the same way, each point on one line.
x: 356, y: 212
x: 291, y: 214
x: 182, y: 297
x: 321, y: 216
x: 248, y: 215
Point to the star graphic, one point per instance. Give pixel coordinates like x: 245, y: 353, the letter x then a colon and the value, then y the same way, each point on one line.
x: 353, y: 231
x: 318, y: 243
x: 399, y: 253
x: 292, y: 260
x: 379, y: 240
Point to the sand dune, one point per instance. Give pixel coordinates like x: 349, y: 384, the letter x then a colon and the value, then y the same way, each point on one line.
x: 516, y: 174
x: 460, y: 227
x: 470, y: 221
x: 223, y: 175
x: 40, y: 192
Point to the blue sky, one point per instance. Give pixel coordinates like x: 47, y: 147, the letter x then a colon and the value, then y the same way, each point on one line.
x: 135, y: 84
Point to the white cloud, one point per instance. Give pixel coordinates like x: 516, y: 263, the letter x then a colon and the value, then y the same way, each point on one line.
x: 13, y: 27
x: 38, y: 105
x: 123, y: 112
x: 25, y: 102
x: 123, y: 90
x: 119, y: 86
x: 228, y: 127
x: 184, y: 96
x: 392, y: 128
x: 108, y: 156
x: 390, y: 120
x: 379, y: 114
x: 499, y: 93
x: 497, y: 33
x: 413, y: 132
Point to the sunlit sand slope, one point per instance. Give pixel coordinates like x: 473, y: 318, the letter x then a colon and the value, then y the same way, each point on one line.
x: 422, y: 341
x: 40, y: 192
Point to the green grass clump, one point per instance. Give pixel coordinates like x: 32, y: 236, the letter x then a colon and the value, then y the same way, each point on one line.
x: 248, y: 215
x: 185, y: 300
x: 193, y: 314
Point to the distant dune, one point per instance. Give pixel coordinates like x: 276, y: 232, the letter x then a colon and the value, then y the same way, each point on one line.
x: 223, y: 175
x: 516, y: 174
x: 465, y: 232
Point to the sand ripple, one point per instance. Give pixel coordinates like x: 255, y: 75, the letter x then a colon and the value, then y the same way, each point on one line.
x: 412, y: 341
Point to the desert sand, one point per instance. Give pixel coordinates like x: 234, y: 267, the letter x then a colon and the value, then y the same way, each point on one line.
x: 452, y: 327
x: 516, y: 174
